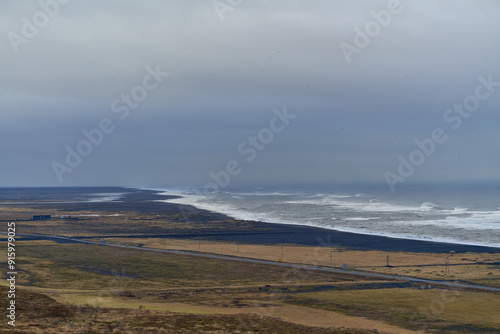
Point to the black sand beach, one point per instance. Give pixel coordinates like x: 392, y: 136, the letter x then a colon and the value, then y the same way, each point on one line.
x: 146, y: 201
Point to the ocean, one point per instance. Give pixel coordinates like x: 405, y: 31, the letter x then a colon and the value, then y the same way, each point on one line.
x: 462, y: 214
x: 40, y: 195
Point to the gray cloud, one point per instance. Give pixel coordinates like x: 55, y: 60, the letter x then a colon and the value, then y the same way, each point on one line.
x: 353, y: 119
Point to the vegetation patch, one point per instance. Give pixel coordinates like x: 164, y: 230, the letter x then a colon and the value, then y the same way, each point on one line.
x: 439, y: 310
x: 38, y: 313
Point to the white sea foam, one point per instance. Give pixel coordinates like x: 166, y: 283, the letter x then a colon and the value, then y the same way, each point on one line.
x: 361, y: 218
x: 417, y: 237
x: 105, y: 197
x: 359, y: 214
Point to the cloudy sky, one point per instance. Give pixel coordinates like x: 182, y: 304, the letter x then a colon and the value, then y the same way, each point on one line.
x: 173, y: 93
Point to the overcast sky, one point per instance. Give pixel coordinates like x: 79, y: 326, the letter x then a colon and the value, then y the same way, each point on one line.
x: 352, y: 84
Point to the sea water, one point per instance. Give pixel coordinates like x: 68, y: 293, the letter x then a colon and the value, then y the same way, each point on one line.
x: 48, y: 195
x: 464, y: 214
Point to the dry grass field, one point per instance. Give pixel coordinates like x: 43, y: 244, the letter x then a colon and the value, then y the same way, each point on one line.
x: 82, y: 288
x: 480, y: 268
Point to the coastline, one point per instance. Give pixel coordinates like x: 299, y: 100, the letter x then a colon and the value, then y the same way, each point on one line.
x: 169, y: 257
x: 255, y: 232
x: 417, y: 217
x: 148, y: 201
x: 317, y: 236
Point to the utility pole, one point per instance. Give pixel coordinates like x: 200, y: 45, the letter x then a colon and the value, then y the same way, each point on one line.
x: 387, y: 259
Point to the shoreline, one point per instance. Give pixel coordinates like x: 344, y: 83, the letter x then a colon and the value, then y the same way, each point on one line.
x: 150, y: 201
x: 314, y: 235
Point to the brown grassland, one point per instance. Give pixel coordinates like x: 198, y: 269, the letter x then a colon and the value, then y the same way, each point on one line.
x: 83, y: 288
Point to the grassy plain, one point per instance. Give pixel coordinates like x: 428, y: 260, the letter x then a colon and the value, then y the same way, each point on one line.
x: 480, y: 268
x: 70, y: 287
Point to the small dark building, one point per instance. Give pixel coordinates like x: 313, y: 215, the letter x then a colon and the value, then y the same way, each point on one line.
x: 42, y: 217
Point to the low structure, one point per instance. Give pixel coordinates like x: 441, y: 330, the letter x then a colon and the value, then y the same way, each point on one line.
x: 42, y: 217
